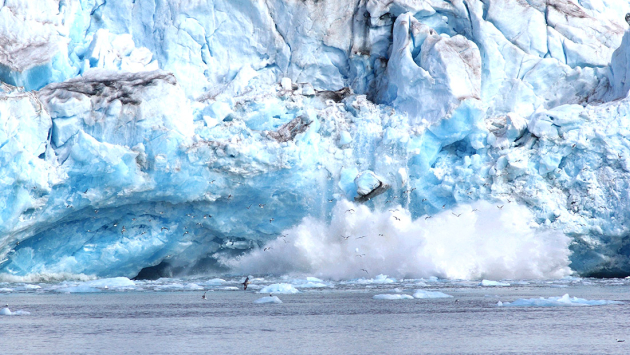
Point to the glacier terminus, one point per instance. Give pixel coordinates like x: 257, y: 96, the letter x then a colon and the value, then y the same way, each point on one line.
x: 461, y: 139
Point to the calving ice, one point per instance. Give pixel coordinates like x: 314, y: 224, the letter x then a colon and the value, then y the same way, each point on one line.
x: 343, y: 139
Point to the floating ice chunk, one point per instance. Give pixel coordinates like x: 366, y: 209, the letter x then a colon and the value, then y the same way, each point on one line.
x: 6, y: 289
x: 268, y: 299
x: 389, y: 296
x: 5, y: 311
x: 493, y: 283
x: 279, y: 288
x: 430, y: 294
x: 231, y: 288
x: 555, y: 302
x: 214, y: 282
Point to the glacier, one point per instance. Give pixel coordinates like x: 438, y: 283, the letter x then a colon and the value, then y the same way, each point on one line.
x: 415, y: 138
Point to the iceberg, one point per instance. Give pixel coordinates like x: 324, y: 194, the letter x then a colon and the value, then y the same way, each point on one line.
x: 475, y: 139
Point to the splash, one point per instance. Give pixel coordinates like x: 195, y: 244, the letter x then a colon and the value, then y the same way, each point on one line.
x: 473, y: 241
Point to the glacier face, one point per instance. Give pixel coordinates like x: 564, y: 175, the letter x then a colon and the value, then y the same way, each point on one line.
x: 185, y: 133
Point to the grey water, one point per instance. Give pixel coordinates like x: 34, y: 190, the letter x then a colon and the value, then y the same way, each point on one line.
x: 341, y: 320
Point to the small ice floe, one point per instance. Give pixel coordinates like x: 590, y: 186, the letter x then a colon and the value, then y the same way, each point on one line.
x: 5, y: 311
x: 214, y: 282
x: 230, y: 288
x: 268, y: 299
x: 390, y: 296
x: 379, y: 279
x: 493, y: 283
x: 555, y: 302
x: 6, y: 289
x: 279, y: 288
x: 430, y: 294
x: 310, y: 282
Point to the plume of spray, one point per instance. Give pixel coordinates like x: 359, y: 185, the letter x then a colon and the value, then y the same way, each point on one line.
x: 468, y: 242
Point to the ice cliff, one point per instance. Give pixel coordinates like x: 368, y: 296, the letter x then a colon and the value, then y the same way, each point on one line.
x: 173, y: 136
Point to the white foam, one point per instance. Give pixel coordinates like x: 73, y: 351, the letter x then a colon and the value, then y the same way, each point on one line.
x: 115, y: 282
x: 279, y: 288
x: 430, y: 294
x: 555, y: 302
x: 272, y: 299
x: 78, y: 289
x: 389, y: 296
x: 489, y: 242
x: 490, y: 283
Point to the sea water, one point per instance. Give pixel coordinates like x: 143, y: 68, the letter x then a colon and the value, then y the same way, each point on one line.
x: 168, y: 316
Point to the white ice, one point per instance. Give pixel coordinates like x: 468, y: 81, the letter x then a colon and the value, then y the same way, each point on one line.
x: 389, y: 296
x: 279, y: 288
x: 430, y: 294
x: 565, y: 300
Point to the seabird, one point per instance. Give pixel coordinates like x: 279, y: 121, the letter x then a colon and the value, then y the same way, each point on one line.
x: 267, y: 248
x: 398, y: 219
x: 95, y: 211
x: 212, y: 182
x: 443, y: 206
x: 621, y: 340
x: 261, y: 205
x: 331, y: 200
x: 456, y: 215
x: 163, y: 228
x: 500, y: 207
x: 381, y: 235
x: 365, y: 271
x: 360, y: 255
x: 475, y: 210
x: 115, y: 224
x: 427, y: 217
x: 350, y: 210
x: 424, y: 199
x: 248, y: 207
x: 123, y: 230
x: 204, y: 296
x: 271, y: 220
x: 246, y: 283
x: 361, y: 237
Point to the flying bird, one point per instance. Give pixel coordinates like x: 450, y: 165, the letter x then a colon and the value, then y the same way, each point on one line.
x: 456, y: 215
x: 500, y: 207
x: 427, y: 217
x: 365, y: 271
x: 246, y: 283
x: 204, y: 296
x: 398, y: 219
x: 350, y: 210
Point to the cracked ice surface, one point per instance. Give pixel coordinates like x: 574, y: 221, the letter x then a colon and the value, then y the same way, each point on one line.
x: 186, y: 133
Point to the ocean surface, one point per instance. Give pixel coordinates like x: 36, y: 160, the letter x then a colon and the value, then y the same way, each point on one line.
x: 169, y: 316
